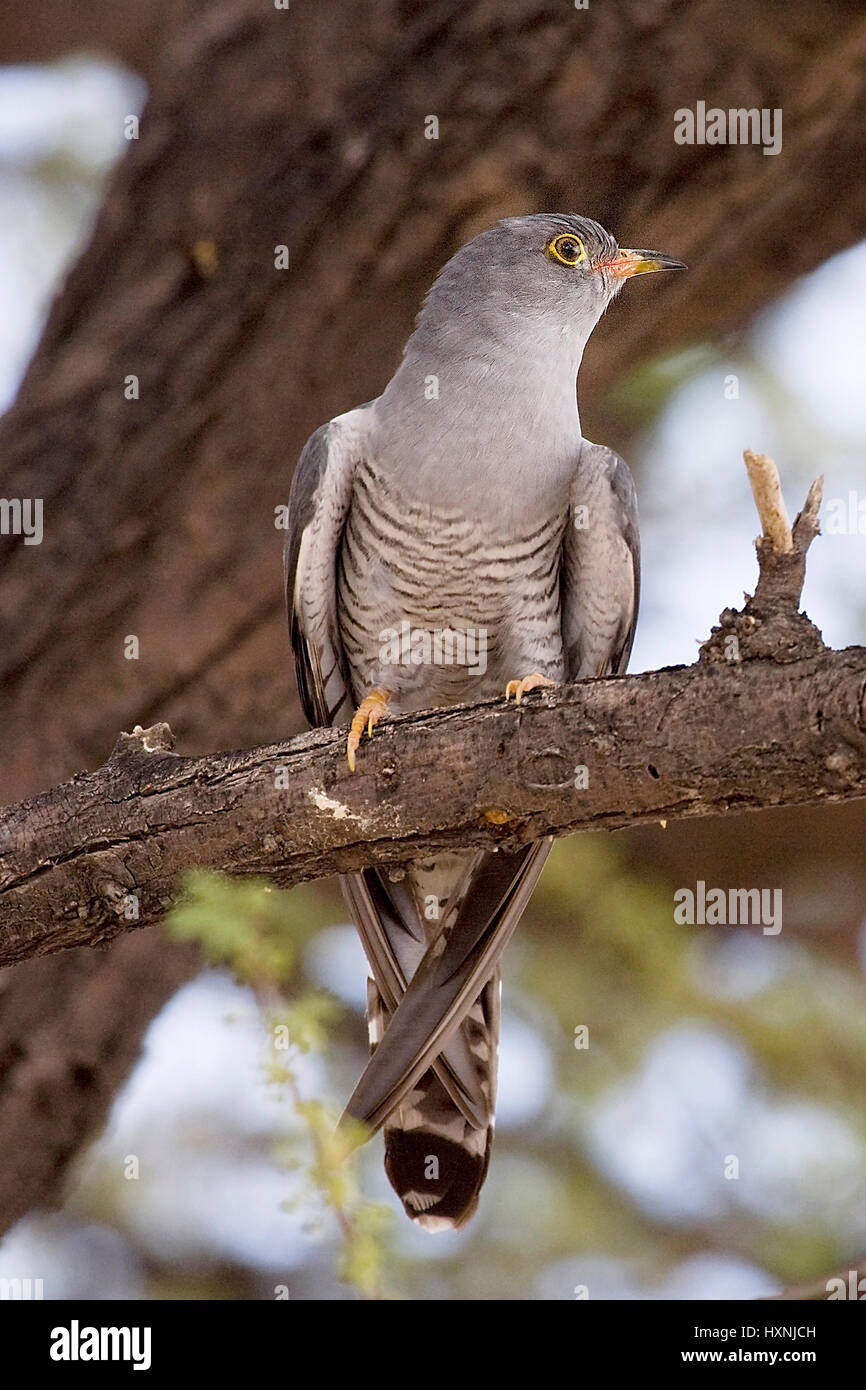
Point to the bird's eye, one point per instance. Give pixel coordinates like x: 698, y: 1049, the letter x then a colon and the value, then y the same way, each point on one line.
x: 567, y: 249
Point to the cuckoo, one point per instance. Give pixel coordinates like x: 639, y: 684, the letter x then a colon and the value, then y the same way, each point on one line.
x: 453, y: 540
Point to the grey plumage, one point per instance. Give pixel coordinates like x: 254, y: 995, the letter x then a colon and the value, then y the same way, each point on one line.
x: 462, y: 501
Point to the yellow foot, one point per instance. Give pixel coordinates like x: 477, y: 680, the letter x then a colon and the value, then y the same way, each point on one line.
x: 369, y: 712
x: 520, y: 688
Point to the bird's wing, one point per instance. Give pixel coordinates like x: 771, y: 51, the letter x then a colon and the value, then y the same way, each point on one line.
x: 319, y: 504
x: 600, y: 566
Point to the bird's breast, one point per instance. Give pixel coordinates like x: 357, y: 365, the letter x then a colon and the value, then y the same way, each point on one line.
x: 450, y: 605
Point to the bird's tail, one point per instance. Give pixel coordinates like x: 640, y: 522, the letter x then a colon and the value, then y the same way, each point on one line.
x: 436, y: 1157
x: 433, y: 1012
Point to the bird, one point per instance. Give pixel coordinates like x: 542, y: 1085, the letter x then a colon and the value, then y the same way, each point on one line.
x: 453, y: 540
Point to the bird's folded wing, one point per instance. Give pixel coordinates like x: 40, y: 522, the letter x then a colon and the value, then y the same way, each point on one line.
x: 394, y: 944
x: 600, y: 566
x: 448, y: 980
x: 319, y: 504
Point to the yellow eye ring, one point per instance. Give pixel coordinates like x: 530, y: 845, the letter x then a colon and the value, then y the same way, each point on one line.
x: 566, y: 248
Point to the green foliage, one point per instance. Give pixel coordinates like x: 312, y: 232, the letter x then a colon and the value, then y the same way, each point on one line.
x: 245, y: 924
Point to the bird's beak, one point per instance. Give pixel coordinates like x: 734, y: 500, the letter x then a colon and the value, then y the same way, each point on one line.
x: 627, y: 263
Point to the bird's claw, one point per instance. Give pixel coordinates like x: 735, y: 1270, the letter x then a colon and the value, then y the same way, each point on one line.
x: 369, y: 712
x: 520, y: 688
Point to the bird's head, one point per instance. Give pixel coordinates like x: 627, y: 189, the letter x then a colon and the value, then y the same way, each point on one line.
x: 554, y: 267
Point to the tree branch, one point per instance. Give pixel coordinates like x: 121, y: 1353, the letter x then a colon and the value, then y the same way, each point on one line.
x: 767, y: 717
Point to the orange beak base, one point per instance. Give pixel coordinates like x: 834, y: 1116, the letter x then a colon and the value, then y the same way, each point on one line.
x: 629, y: 263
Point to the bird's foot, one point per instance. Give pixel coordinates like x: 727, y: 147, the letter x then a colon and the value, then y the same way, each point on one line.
x: 369, y: 712
x: 520, y: 688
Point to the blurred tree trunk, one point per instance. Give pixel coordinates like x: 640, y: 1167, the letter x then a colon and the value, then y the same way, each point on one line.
x: 134, y: 34
x: 305, y: 129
